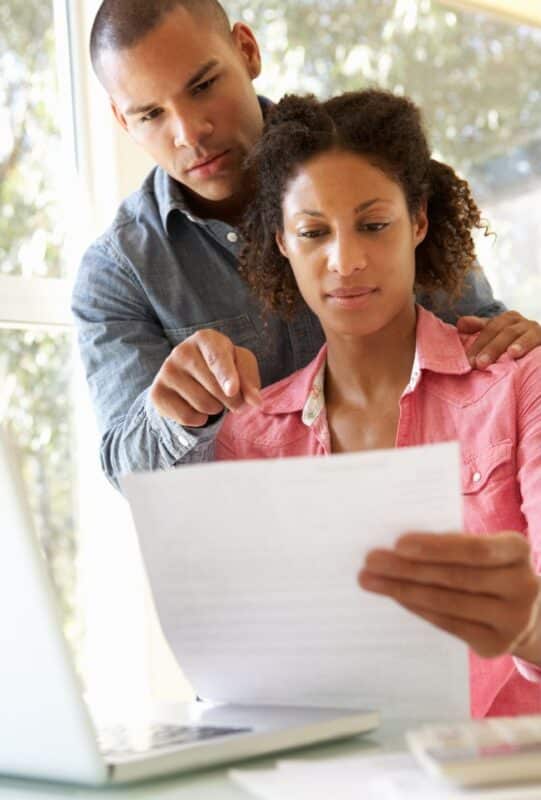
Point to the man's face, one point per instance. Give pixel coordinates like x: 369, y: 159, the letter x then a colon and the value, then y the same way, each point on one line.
x: 184, y: 93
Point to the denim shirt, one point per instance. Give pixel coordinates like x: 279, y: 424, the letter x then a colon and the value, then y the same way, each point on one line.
x: 158, y: 275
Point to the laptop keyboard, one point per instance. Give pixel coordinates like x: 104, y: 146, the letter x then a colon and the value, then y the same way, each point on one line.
x: 118, y: 740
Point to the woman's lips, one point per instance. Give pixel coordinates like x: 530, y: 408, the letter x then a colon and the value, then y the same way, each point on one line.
x: 353, y: 297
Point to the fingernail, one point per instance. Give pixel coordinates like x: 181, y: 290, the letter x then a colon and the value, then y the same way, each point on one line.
x: 228, y: 386
x: 516, y: 348
x: 408, y: 548
x: 483, y: 360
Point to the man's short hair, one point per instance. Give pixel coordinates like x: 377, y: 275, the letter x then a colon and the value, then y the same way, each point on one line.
x: 120, y: 24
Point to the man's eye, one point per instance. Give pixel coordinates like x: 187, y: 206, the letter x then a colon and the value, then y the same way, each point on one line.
x: 151, y: 115
x: 202, y: 87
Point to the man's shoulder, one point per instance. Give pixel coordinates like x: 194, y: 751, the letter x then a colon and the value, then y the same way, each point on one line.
x: 138, y: 236
x: 135, y: 215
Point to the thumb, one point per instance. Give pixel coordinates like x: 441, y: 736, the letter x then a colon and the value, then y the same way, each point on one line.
x: 250, y: 382
x: 471, y: 324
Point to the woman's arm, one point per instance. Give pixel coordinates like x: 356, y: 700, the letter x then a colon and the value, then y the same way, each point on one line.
x: 484, y: 590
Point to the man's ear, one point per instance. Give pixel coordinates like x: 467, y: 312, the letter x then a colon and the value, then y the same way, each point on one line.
x: 420, y: 223
x: 120, y: 118
x: 246, y: 43
x: 279, y: 239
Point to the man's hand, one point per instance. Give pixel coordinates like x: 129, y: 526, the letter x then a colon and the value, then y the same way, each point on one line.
x: 202, y: 375
x: 508, y: 333
x: 481, y: 589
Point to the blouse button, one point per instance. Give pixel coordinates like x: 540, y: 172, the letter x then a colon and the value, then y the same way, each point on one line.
x: 476, y: 477
x: 232, y: 236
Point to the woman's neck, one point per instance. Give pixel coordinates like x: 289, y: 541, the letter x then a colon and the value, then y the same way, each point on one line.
x: 362, y: 370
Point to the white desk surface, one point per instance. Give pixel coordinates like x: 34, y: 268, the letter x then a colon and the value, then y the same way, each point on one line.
x: 215, y: 784
x: 212, y: 784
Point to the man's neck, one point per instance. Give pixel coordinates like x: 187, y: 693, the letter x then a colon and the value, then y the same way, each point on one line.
x: 229, y: 210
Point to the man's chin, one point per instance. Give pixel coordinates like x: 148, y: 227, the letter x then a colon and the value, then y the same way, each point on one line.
x: 206, y: 191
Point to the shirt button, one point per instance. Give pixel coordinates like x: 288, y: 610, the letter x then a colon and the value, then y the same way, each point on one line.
x: 232, y: 236
x: 476, y: 477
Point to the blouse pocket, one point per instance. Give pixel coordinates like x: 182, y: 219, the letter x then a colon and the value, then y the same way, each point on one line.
x: 488, y: 468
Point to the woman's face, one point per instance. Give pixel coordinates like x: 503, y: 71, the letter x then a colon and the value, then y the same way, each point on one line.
x: 351, y: 241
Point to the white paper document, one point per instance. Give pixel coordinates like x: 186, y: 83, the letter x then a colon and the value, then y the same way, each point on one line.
x: 385, y: 776
x: 253, y: 567
x: 382, y: 776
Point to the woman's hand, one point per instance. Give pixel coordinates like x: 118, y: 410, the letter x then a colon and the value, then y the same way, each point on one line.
x: 481, y: 589
x: 509, y: 332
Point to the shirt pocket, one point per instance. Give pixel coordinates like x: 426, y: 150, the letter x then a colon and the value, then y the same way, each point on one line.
x: 241, y: 330
x: 488, y: 470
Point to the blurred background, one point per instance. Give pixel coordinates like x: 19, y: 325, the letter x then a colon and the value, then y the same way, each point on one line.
x: 474, y: 68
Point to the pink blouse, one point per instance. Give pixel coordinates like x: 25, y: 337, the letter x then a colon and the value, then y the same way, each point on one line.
x: 495, y: 414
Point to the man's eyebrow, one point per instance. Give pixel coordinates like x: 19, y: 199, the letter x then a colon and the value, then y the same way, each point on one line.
x: 360, y: 207
x: 133, y: 110
x: 201, y: 72
x: 196, y: 77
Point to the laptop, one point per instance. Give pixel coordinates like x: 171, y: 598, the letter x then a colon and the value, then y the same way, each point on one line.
x: 49, y: 731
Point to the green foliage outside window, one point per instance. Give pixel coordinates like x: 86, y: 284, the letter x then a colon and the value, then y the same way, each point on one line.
x: 35, y: 365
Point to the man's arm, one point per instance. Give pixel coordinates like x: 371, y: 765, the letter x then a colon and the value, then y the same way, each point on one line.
x: 123, y: 347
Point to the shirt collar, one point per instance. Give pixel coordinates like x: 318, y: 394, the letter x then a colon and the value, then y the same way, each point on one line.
x: 171, y: 195
x: 171, y: 199
x: 438, y: 348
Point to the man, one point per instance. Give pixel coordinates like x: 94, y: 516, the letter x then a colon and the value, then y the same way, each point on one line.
x: 168, y: 331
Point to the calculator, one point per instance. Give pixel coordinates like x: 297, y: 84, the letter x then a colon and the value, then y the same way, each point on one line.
x: 488, y: 751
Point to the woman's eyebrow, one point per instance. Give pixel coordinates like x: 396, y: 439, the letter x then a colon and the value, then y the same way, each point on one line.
x: 368, y: 203
x: 309, y: 212
x: 361, y: 207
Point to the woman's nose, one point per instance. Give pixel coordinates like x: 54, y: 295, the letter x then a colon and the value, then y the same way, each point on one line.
x: 346, y: 256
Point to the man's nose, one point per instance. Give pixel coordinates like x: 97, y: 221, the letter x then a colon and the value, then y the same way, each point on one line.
x: 346, y: 255
x: 190, y: 131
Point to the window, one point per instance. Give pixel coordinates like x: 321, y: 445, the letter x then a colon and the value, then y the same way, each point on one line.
x: 35, y: 343
x: 476, y: 77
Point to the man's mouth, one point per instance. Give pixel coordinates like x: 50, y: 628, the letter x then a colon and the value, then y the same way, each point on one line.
x: 207, y: 162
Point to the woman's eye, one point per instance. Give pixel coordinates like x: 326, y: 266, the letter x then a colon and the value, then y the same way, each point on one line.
x: 151, y: 115
x: 374, y: 227
x: 311, y: 234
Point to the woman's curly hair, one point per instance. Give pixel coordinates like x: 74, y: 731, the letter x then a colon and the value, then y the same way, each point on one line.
x: 386, y: 130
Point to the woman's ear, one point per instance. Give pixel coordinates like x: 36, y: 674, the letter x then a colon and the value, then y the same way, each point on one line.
x: 420, y: 223
x: 279, y: 239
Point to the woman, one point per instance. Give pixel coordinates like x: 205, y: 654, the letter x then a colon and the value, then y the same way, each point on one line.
x: 352, y: 214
